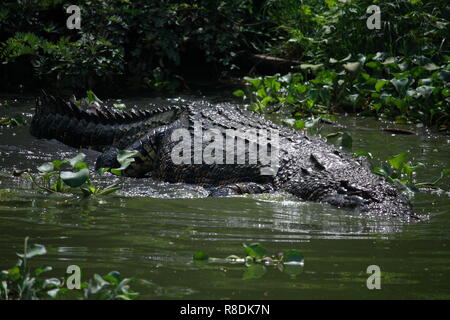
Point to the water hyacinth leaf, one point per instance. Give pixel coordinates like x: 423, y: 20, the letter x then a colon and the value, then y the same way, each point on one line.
x: 255, y: 250
x: 51, y: 283
x: 110, y: 189
x: 125, y: 158
x: 254, y: 271
x: 32, y: 251
x: 78, y: 158
x: 75, y: 179
x: 57, y: 164
x: 361, y: 153
x: 300, y: 124
x: 46, y: 167
x: 200, y: 256
x: 389, y: 60
x: 256, y: 82
x: 239, y: 93
x: 80, y: 165
x: 120, y: 106
x: 401, y: 85
x: 382, y: 171
x: 424, y: 91
x: 91, y: 97
x: 313, y: 67
x: 431, y: 67
x: 397, y: 161
x: 380, y: 84
x: 293, y: 256
x: 352, y: 66
x: 41, y: 270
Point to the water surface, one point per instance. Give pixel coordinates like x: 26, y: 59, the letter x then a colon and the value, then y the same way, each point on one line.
x: 150, y: 230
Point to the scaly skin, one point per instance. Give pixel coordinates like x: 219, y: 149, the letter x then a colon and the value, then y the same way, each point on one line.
x: 309, y: 168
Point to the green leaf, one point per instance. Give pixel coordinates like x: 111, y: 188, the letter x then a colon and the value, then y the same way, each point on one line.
x: 78, y: 158
x: 254, y: 271
x: 120, y: 106
x: 125, y: 158
x: 255, y: 250
x: 401, y: 85
x: 33, y: 250
x: 397, y: 161
x: 239, y: 93
x: 80, y: 165
x: 91, y: 97
x: 46, y: 167
x: 362, y: 153
x: 110, y: 189
x: 293, y: 256
x: 75, y: 179
x: 41, y: 270
x: 300, y: 124
x: 200, y: 256
x: 380, y: 84
x: 352, y: 66
x: 58, y: 163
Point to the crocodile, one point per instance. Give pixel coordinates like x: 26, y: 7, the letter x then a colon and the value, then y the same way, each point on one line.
x: 308, y: 166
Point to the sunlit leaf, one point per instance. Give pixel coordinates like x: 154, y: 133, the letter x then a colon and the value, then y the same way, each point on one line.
x: 75, y: 179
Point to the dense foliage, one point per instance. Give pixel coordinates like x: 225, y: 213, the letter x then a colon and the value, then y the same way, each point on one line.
x: 140, y: 42
x: 400, y: 71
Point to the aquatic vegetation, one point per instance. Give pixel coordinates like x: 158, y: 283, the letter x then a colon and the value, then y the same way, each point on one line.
x: 256, y: 253
x: 256, y: 259
x: 402, y: 173
x: 403, y: 89
x: 21, y: 282
x: 17, y: 120
x: 73, y: 174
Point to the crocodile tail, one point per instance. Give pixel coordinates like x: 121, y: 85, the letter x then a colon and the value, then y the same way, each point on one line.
x: 97, y: 128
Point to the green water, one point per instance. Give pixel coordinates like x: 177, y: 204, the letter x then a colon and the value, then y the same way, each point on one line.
x: 150, y: 230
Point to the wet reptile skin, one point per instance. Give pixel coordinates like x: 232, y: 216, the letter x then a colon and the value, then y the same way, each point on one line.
x: 309, y: 167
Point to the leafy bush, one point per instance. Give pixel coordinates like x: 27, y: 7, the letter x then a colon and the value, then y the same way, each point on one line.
x: 23, y: 283
x: 55, y: 176
x: 400, y: 88
x: 141, y: 42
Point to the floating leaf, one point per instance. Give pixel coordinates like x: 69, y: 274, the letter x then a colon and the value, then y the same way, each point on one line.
x: 361, y: 153
x: 33, y: 250
x: 397, y: 161
x: 46, y: 167
x: 352, y: 66
x: 200, y: 256
x: 401, y: 85
x: 293, y: 256
x: 125, y: 158
x: 78, y: 158
x: 255, y: 250
x: 239, y: 93
x: 75, y: 179
x: 254, y: 271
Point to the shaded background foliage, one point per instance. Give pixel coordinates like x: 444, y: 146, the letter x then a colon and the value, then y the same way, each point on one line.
x: 400, y: 71
x: 141, y: 42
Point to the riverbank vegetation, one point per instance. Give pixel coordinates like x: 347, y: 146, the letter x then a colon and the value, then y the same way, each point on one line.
x: 399, y: 72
